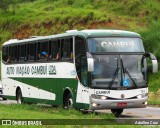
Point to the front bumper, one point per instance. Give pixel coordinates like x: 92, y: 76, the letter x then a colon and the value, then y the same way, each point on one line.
x: 112, y: 104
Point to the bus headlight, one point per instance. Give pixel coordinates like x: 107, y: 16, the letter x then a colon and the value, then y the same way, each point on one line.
x: 142, y: 95
x: 103, y: 97
x: 99, y: 97
x: 94, y: 104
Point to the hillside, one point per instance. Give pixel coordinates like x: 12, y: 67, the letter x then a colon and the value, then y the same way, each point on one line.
x: 43, y: 17
x: 25, y: 18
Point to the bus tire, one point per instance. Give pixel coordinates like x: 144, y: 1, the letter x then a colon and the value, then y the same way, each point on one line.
x: 117, y: 112
x: 4, y: 98
x: 68, y: 102
x: 19, y: 97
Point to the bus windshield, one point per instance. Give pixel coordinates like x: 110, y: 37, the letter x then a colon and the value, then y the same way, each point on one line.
x: 114, y: 44
x: 118, y: 71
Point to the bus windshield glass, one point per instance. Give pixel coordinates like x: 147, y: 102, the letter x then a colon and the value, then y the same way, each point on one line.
x: 114, y: 44
x: 114, y: 71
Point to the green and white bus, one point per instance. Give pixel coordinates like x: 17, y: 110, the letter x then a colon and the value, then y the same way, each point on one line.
x: 88, y: 69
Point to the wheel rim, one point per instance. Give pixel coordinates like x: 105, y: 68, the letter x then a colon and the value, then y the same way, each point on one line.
x: 19, y: 98
x: 70, y: 103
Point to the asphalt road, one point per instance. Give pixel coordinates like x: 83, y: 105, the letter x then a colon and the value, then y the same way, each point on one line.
x: 139, y: 113
x: 135, y: 113
x: 147, y: 113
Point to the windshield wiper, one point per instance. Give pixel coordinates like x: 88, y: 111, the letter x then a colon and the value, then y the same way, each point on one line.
x: 113, y: 78
x: 114, y: 75
x: 127, y: 72
x: 123, y: 71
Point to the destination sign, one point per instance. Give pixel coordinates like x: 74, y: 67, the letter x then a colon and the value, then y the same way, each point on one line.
x: 117, y: 44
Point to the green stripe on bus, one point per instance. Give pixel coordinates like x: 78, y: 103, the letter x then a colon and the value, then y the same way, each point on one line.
x: 44, y: 101
x: 53, y: 85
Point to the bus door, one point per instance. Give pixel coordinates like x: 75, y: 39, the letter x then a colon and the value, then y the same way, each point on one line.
x: 84, y: 73
x: 84, y: 81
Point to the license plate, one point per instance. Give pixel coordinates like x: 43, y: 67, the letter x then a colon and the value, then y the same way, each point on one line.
x: 122, y: 104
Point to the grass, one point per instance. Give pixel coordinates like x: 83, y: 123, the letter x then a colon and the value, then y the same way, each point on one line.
x: 62, y: 15
x: 16, y: 111
x: 154, y: 89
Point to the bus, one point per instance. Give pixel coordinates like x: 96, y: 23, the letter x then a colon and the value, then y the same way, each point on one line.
x: 86, y: 70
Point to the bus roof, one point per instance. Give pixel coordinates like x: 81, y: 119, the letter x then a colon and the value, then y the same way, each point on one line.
x: 85, y: 33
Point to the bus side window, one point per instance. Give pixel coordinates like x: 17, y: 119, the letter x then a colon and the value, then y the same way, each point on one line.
x: 67, y: 48
x: 55, y: 50
x: 31, y: 51
x: 17, y: 53
x: 43, y: 51
x: 22, y: 52
x: 12, y: 54
x: 5, y: 53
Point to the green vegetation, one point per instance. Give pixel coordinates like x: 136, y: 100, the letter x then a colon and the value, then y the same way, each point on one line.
x: 25, y: 18
x: 154, y: 89
x: 15, y: 111
x: 44, y: 17
x: 151, y: 41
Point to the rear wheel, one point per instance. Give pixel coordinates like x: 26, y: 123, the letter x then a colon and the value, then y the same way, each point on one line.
x: 19, y: 97
x: 117, y: 112
x: 68, y: 102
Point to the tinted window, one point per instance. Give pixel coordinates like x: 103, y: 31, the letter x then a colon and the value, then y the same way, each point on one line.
x: 12, y: 53
x: 43, y: 50
x: 31, y: 51
x: 44, y: 46
x: 55, y: 48
x: 5, y: 53
x: 80, y: 51
x: 80, y: 47
x: 67, y: 48
x: 22, y: 52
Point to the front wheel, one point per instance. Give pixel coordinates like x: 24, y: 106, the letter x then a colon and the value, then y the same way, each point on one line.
x: 4, y: 98
x: 19, y: 97
x: 117, y: 112
x: 68, y: 102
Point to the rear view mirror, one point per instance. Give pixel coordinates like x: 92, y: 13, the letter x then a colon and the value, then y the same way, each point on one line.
x: 154, y: 61
x: 154, y: 66
x: 90, y: 62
